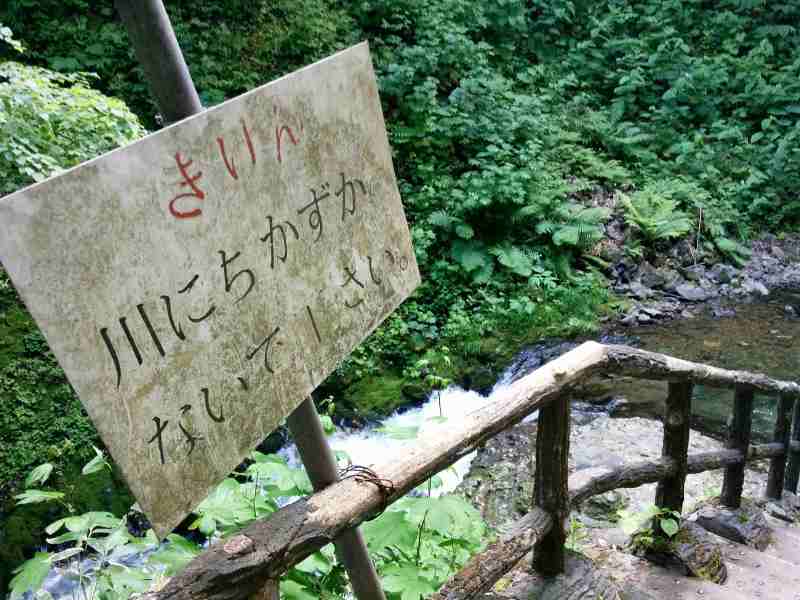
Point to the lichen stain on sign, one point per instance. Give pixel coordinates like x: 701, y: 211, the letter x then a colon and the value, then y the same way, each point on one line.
x: 198, y: 284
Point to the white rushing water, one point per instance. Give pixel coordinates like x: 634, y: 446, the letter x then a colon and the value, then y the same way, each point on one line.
x: 380, y: 443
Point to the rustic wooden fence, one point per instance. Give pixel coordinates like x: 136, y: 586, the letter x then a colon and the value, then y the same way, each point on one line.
x: 250, y: 562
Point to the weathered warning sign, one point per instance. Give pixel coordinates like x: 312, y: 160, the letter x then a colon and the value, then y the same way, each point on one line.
x: 199, y: 283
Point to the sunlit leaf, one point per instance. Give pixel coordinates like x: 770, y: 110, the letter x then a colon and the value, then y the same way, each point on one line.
x: 39, y: 475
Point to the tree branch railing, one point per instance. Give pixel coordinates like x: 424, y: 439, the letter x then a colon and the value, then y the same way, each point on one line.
x: 240, y: 566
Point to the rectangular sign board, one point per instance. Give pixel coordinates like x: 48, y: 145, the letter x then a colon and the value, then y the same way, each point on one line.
x: 198, y: 284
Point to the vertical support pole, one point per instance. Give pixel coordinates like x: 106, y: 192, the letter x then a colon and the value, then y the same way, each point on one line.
x: 669, y: 492
x: 161, y: 58
x: 793, y: 470
x: 157, y: 49
x: 550, y: 485
x: 777, y: 465
x: 738, y: 439
x: 306, y: 428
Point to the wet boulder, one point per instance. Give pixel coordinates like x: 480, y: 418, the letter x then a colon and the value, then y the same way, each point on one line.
x: 745, y: 525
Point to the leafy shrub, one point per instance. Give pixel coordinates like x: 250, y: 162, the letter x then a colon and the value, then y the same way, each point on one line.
x: 231, y: 46
x: 655, y: 216
x: 417, y: 544
x: 51, y: 121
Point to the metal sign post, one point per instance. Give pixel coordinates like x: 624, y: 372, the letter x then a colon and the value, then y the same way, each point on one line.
x: 158, y: 52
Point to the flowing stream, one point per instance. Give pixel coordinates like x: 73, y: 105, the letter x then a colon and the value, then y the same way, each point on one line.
x: 760, y: 336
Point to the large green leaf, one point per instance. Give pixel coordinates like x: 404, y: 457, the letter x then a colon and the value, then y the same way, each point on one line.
x: 392, y: 528
x: 408, y: 581
x: 291, y: 590
x: 471, y: 255
x: 513, y: 258
x: 37, y: 496
x: 39, y: 475
x: 175, y: 554
x: 30, y: 575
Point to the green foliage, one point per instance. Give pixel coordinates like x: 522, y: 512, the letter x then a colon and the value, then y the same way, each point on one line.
x: 657, y: 217
x: 231, y: 46
x: 576, y: 535
x: 418, y: 543
x: 641, y: 525
x: 51, y: 121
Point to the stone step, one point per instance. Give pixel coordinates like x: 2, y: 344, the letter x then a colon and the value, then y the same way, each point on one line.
x: 663, y: 584
x: 786, y: 542
x: 773, y: 574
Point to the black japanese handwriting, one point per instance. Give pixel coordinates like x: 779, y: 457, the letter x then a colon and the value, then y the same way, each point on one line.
x: 315, y: 216
x: 271, y: 237
x: 230, y: 280
x: 266, y: 345
x: 349, y: 207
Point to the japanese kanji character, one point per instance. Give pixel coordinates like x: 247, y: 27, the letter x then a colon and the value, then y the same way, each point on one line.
x: 191, y: 182
x: 266, y: 345
x: 343, y: 194
x: 123, y: 322
x: 315, y: 217
x: 271, y: 237
x: 230, y: 280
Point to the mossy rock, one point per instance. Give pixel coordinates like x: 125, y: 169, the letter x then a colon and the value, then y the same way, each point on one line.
x: 374, y: 397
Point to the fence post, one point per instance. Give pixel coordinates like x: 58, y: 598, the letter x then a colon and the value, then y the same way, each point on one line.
x: 781, y: 435
x: 738, y: 439
x: 669, y: 493
x: 550, y: 485
x: 793, y: 470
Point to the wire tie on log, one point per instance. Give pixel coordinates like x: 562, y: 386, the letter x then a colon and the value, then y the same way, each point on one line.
x: 363, y: 474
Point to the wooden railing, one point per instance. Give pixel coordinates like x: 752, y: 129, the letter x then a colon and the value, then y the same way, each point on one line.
x: 245, y: 564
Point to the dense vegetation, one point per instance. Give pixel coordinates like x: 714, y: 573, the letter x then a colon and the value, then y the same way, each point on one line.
x: 519, y: 127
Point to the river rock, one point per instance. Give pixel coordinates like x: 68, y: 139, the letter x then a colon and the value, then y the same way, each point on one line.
x: 699, y: 554
x: 745, y: 525
x: 720, y: 312
x: 722, y: 273
x: 694, y: 273
x: 753, y: 286
x: 650, y: 276
x: 692, y: 293
x: 638, y: 290
x: 500, y: 481
x: 786, y: 509
x: 691, y: 551
x: 604, y: 507
x: 415, y: 392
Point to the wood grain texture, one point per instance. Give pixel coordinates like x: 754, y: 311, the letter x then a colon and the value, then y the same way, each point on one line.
x: 781, y: 435
x: 484, y: 570
x: 551, y: 493
x: 739, y: 440
x: 669, y: 493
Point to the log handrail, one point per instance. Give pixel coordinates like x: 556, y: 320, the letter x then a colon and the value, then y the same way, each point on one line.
x: 239, y: 566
